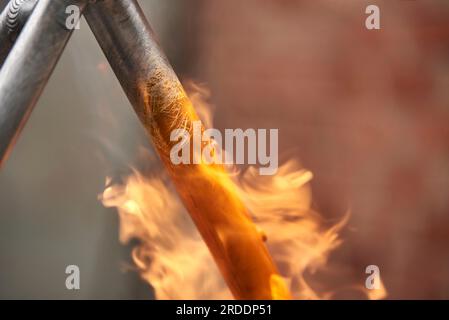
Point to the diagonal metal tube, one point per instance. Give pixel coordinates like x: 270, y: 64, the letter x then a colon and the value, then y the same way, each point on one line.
x: 29, y: 66
x: 207, y: 192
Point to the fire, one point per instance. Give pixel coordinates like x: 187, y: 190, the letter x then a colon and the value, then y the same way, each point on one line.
x: 173, y: 257
x: 295, y: 238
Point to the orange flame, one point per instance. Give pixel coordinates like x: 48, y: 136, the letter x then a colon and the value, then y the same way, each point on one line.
x: 173, y: 258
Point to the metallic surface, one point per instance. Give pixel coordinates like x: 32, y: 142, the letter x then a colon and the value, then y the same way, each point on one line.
x: 29, y: 66
x: 162, y: 105
x: 12, y: 20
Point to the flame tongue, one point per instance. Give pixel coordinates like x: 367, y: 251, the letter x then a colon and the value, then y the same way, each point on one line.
x: 173, y: 258
x: 171, y: 255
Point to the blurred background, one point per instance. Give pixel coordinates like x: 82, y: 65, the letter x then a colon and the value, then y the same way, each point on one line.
x: 366, y: 111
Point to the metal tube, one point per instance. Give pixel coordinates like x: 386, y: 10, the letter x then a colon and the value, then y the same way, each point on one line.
x: 29, y: 65
x: 207, y: 191
x: 12, y: 20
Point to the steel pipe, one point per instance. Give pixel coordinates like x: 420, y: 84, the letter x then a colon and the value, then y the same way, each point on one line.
x: 159, y: 100
x: 29, y: 65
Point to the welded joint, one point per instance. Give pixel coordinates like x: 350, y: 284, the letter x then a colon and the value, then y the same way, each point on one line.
x: 17, y: 13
